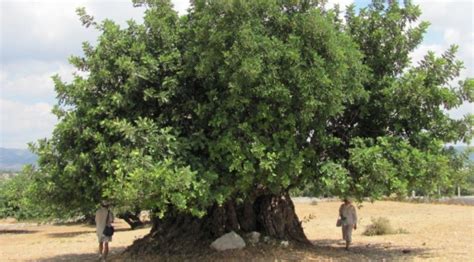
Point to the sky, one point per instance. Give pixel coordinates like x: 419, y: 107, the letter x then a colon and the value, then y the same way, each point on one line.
x: 38, y: 36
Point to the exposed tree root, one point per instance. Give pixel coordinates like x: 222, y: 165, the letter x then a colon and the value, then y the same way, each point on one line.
x: 272, y: 215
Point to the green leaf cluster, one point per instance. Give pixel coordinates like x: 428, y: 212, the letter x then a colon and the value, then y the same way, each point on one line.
x: 239, y: 98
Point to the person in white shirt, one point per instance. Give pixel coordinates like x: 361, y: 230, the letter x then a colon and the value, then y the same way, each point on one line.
x: 103, y: 217
x: 348, y: 216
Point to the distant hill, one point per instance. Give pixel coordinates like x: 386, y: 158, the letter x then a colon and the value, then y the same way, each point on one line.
x: 15, y: 159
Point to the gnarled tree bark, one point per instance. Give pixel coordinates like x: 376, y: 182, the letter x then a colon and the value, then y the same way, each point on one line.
x: 132, y: 219
x: 272, y: 215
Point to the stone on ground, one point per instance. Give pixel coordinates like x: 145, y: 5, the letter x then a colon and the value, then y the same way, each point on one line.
x: 230, y: 240
x: 253, y: 237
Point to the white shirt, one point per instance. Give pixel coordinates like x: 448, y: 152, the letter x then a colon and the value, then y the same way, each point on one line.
x: 348, y: 214
x: 100, y: 217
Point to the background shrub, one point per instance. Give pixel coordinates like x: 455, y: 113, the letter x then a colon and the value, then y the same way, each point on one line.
x: 382, y: 226
x: 379, y: 226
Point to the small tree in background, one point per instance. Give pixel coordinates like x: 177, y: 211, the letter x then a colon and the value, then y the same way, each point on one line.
x: 18, y: 198
x: 209, y: 119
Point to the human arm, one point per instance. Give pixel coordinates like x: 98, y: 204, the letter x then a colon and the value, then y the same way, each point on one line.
x: 354, y: 214
x: 111, y: 217
x: 97, y: 217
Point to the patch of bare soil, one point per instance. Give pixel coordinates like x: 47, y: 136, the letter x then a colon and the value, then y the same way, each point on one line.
x: 436, y: 233
x: 71, y: 242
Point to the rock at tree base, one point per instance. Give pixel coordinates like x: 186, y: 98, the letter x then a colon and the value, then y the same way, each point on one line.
x: 253, y: 237
x: 230, y: 240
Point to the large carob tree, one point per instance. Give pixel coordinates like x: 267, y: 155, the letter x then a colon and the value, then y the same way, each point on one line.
x: 209, y: 119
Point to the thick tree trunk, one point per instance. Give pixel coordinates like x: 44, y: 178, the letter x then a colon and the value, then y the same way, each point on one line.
x: 271, y: 215
x: 89, y: 219
x: 132, y: 219
x: 277, y: 218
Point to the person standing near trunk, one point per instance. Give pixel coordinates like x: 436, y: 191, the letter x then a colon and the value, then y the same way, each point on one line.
x: 103, y: 217
x: 348, y: 217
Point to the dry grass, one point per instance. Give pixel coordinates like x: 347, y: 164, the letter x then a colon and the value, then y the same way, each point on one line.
x: 381, y: 226
x: 437, y: 233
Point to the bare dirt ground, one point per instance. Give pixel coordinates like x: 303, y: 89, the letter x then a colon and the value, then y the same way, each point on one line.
x: 437, y: 232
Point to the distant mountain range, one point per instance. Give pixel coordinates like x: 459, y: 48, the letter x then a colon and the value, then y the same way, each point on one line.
x: 15, y: 159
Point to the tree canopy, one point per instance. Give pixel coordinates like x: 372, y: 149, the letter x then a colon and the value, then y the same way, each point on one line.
x: 241, y: 98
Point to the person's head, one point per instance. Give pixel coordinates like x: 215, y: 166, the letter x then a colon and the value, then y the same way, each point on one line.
x: 347, y: 200
x: 105, y: 203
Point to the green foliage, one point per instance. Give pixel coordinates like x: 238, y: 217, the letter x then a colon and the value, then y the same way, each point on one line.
x: 270, y: 74
x: 468, y: 189
x: 17, y: 198
x: 393, y: 165
x: 462, y: 168
x: 464, y: 177
x: 240, y: 98
x: 392, y: 142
